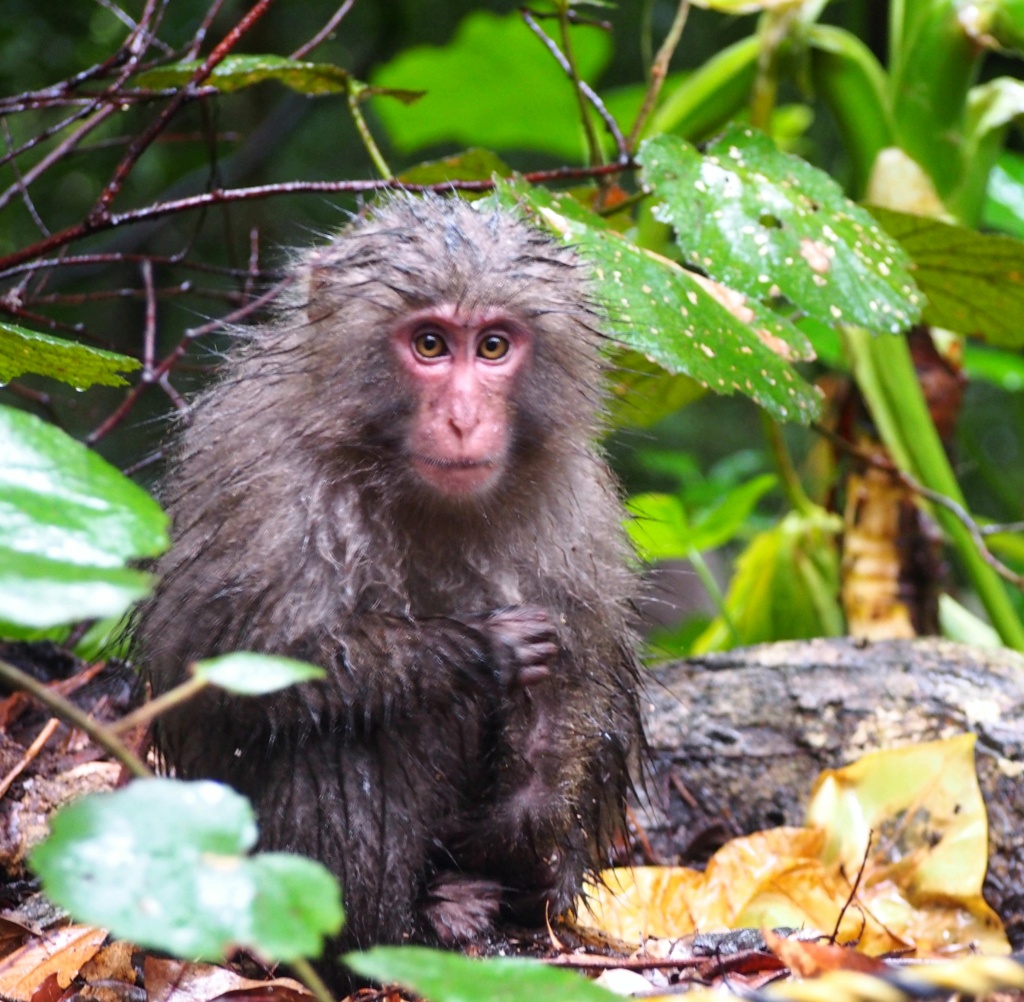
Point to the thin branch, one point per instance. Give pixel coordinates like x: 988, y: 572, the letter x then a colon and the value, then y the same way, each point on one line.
x: 659, y: 70
x: 352, y: 96
x: 159, y: 373
x: 196, y: 45
x: 58, y: 152
x: 583, y: 87
x: 220, y: 196
x: 335, y: 20
x: 30, y: 753
x: 145, y: 140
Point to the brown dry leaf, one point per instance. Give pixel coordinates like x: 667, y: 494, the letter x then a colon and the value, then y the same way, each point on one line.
x: 61, y: 952
x: 178, y: 981
x: 806, y: 894
x: 921, y: 885
x: 924, y: 875
x: 807, y: 959
x: 745, y: 867
x: 112, y: 963
x: 634, y: 903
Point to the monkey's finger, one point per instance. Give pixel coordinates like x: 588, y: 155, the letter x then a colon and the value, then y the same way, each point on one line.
x: 538, y: 653
x: 532, y: 674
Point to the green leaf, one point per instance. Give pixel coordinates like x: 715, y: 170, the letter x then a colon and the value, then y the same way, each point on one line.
x: 678, y: 319
x: 770, y: 224
x: 642, y: 392
x: 717, y: 91
x: 162, y: 863
x: 237, y: 72
x: 1004, y: 201
x: 36, y: 592
x: 1004, y: 369
x: 991, y: 108
x: 250, y: 674
x: 996, y: 24
x: 68, y: 523
x: 658, y: 527
x: 933, y: 67
x: 450, y: 977
x: 23, y: 350
x: 469, y: 165
x: 974, y: 281
x: 661, y: 530
x: 493, y: 85
x: 785, y: 586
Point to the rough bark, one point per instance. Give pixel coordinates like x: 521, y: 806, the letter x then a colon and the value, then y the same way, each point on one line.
x: 737, y: 739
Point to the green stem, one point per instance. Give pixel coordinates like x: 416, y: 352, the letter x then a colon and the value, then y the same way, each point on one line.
x: 715, y: 593
x: 146, y: 713
x: 308, y: 976
x: 659, y: 70
x: 788, y: 477
x: 364, y: 133
x: 887, y: 380
x: 67, y: 711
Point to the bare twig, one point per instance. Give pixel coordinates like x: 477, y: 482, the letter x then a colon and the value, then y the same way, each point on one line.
x: 335, y: 19
x: 30, y: 753
x: 142, y: 142
x: 220, y: 196
x: 160, y: 372
x: 591, y: 95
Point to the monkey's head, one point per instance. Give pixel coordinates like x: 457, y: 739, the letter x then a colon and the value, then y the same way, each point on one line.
x: 451, y: 347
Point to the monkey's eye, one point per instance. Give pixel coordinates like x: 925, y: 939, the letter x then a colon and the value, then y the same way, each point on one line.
x: 430, y: 345
x: 493, y: 347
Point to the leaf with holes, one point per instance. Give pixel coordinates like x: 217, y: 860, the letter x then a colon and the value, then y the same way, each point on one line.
x: 686, y: 324
x: 771, y: 225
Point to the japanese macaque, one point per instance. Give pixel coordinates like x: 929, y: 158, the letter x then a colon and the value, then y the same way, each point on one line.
x: 396, y: 479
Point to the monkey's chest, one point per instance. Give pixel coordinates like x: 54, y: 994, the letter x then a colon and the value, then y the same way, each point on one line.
x: 478, y: 586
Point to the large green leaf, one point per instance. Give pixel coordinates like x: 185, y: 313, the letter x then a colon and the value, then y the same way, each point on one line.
x: 974, y: 281
x: 68, y: 523
x: 163, y: 863
x: 449, y: 977
x: 679, y: 320
x: 23, y: 350
x: 770, y: 224
x: 493, y: 85
x: 37, y: 593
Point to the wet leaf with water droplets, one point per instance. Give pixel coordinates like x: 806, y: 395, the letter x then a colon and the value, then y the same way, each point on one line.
x: 725, y: 341
x: 770, y: 224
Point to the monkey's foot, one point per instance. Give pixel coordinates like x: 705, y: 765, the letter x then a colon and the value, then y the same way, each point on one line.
x: 460, y: 908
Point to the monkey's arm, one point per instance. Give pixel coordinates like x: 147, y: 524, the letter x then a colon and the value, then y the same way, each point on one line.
x: 387, y: 666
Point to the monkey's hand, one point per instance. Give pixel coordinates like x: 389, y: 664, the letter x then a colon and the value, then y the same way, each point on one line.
x: 525, y: 644
x: 461, y: 908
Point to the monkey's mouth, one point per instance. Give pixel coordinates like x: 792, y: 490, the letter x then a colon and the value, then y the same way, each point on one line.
x: 456, y: 476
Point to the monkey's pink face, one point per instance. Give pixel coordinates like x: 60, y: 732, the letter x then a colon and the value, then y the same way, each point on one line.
x: 462, y: 369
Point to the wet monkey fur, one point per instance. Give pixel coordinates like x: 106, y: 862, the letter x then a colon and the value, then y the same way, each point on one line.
x: 396, y: 479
